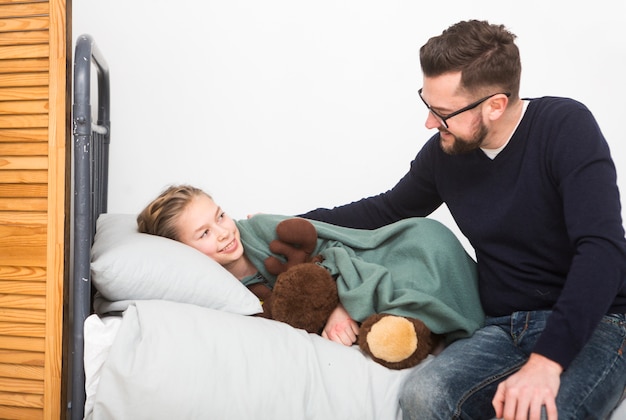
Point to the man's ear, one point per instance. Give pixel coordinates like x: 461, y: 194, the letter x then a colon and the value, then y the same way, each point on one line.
x: 496, y: 106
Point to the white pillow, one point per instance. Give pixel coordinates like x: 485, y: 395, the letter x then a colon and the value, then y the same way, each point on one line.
x: 127, y: 265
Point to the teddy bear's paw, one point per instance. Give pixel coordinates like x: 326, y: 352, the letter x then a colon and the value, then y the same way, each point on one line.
x: 394, y: 341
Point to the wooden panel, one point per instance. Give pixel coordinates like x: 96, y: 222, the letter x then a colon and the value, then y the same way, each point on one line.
x: 23, y: 190
x: 35, y: 48
x: 21, y: 51
x: 16, y: 232
x: 24, y: 24
x: 23, y: 149
x: 24, y: 79
x: 21, y: 371
x: 59, y: 200
x: 21, y: 219
x: 21, y: 315
x: 24, y: 176
x: 22, y: 273
x: 28, y: 65
x: 23, y: 134
x: 16, y: 121
x: 23, y: 288
x: 21, y: 385
x: 21, y: 400
x: 16, y: 329
x: 22, y: 204
x: 21, y: 162
x: 21, y: 413
x: 21, y: 357
x: 23, y: 38
x: 23, y: 93
x: 20, y: 1
x: 21, y: 302
x: 22, y: 343
x: 22, y: 244
x: 24, y: 107
x: 25, y: 9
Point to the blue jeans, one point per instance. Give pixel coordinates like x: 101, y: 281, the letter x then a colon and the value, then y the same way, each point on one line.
x: 461, y: 382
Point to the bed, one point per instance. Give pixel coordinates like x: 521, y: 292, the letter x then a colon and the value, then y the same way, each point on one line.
x: 186, y: 346
x: 161, y: 340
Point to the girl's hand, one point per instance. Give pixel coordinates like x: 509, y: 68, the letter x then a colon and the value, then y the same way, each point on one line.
x: 340, y: 327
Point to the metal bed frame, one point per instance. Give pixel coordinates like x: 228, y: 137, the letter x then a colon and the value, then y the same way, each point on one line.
x: 91, y: 162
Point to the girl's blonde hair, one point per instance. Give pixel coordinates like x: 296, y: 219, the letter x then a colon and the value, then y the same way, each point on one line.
x: 160, y: 217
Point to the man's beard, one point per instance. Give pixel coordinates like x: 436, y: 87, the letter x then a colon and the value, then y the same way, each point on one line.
x: 460, y: 145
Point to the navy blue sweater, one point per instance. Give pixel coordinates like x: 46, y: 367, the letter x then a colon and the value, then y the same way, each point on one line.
x: 544, y: 218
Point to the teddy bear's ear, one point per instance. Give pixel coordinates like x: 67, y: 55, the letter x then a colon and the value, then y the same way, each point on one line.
x: 297, y: 239
x: 298, y: 232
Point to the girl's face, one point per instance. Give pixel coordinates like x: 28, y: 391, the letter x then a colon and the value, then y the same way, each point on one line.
x: 204, y: 226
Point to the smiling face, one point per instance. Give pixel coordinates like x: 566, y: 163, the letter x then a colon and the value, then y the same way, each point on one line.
x: 204, y: 226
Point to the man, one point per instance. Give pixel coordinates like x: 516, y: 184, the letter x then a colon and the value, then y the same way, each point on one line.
x: 532, y: 185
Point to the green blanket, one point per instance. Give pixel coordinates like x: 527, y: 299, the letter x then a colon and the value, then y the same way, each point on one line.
x: 414, y: 267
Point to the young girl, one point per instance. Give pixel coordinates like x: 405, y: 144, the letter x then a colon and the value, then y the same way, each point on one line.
x: 414, y: 268
x: 189, y: 215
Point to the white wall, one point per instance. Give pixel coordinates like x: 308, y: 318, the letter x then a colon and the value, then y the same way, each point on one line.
x: 280, y: 106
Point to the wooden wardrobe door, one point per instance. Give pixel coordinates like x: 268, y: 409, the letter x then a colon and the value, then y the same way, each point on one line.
x: 34, y: 176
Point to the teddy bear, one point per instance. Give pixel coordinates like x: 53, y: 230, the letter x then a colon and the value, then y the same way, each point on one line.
x: 305, y: 294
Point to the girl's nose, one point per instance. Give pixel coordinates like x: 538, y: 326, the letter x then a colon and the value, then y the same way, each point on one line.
x: 221, y: 232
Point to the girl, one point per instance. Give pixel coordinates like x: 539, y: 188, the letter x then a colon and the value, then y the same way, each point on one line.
x: 414, y: 268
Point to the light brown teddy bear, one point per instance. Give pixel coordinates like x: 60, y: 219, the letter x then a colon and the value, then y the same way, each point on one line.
x: 305, y: 294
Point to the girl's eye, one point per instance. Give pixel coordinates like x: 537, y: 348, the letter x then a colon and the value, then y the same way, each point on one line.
x: 222, y: 215
x: 204, y: 234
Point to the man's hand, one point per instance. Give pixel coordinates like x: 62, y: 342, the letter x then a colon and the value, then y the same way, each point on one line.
x: 340, y: 327
x: 523, y: 394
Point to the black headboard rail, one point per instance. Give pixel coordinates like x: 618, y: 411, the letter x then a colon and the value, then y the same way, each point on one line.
x: 91, y: 164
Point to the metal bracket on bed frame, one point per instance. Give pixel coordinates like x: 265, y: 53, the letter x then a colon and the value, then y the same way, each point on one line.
x: 91, y: 162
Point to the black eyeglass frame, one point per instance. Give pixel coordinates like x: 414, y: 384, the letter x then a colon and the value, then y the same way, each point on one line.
x: 442, y: 119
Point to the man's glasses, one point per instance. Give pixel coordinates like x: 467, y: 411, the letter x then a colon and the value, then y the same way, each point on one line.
x: 443, y: 118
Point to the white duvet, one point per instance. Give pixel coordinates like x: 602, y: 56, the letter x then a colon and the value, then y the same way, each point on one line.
x: 179, y: 361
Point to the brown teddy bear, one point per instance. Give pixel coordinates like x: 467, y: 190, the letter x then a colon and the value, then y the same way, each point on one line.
x: 305, y: 294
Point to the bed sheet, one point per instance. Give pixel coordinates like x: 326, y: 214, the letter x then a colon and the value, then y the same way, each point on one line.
x: 174, y: 360
x: 373, y: 389
x: 99, y: 333
x: 330, y: 359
